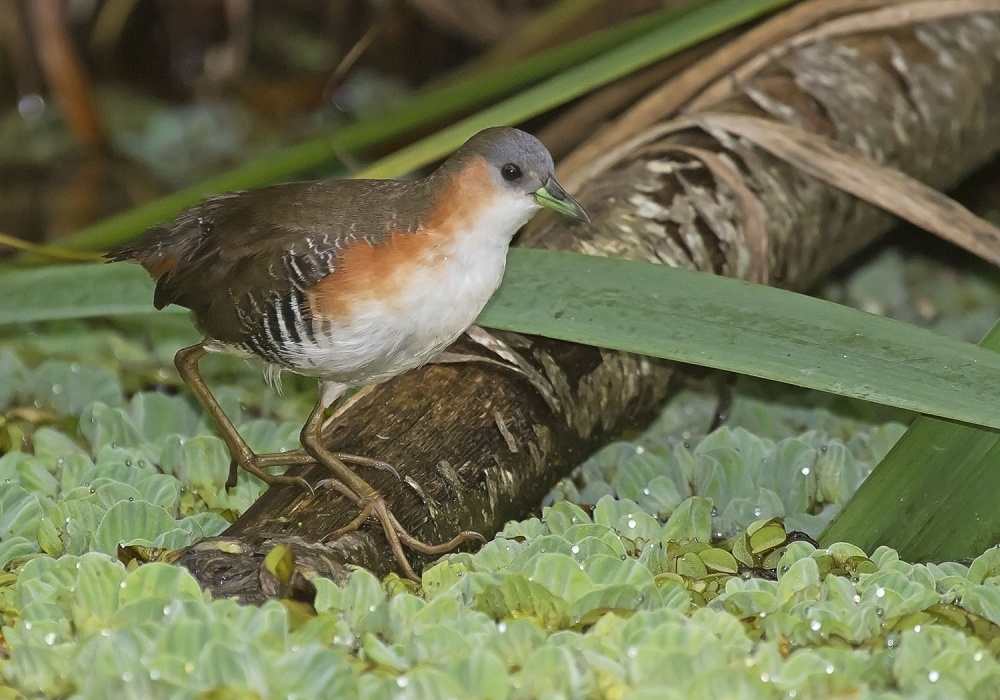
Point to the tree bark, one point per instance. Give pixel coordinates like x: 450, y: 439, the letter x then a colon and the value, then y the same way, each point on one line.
x: 478, y: 444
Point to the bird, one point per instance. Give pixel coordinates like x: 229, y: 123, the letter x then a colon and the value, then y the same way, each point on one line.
x: 349, y: 281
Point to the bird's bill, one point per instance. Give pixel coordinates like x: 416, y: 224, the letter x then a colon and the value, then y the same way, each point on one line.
x: 553, y: 196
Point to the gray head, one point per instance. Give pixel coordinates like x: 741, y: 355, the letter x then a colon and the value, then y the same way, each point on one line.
x: 520, y: 165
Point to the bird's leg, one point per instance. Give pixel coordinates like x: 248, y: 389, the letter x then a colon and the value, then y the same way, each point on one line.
x: 364, y: 494
x: 300, y: 456
x: 241, y: 456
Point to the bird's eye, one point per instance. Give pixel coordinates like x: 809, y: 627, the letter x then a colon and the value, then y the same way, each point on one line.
x: 510, y: 172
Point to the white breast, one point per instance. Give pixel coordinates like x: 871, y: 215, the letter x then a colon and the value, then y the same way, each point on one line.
x: 437, y: 303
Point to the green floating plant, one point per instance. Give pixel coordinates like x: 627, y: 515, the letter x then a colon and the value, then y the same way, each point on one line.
x: 804, y: 479
x: 144, y: 471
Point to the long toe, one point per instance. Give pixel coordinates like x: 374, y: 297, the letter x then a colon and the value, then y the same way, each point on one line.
x: 277, y: 479
x: 368, y: 462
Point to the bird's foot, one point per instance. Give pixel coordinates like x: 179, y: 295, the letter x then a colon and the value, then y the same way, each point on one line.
x: 373, y: 504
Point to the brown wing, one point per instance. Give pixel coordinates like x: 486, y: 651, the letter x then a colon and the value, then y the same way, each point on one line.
x: 242, y: 261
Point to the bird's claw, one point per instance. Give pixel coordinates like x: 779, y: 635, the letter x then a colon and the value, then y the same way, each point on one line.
x: 395, y: 533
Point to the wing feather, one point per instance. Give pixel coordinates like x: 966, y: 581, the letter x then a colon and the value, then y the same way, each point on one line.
x: 243, y: 261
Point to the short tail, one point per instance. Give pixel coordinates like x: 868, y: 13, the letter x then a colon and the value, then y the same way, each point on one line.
x: 155, y: 250
x: 158, y: 250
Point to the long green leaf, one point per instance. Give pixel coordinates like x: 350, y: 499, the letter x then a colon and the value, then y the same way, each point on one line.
x: 651, y: 310
x: 934, y: 496
x: 689, y: 28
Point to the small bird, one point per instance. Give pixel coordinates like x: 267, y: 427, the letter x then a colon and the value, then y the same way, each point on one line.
x: 349, y: 281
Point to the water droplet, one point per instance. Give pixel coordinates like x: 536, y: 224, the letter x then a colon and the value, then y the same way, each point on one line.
x: 933, y: 676
x: 805, y: 471
x: 829, y: 669
x: 128, y: 462
x: 632, y: 652
x: 27, y: 624
x: 127, y: 677
x: 815, y: 625
x: 57, y: 389
x: 757, y: 512
x: 154, y: 675
x: 371, y: 608
x: 978, y: 656
x: 30, y: 105
x: 715, y: 511
x: 639, y: 450
x: 575, y: 549
x: 74, y: 367
x: 916, y: 628
x: 632, y: 524
x: 501, y: 627
x: 645, y: 492
x: 50, y: 638
x: 857, y: 598
x: 765, y: 677
x: 880, y: 592
x: 402, y: 681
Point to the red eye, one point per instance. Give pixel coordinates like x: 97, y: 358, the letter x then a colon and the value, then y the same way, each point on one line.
x: 510, y: 172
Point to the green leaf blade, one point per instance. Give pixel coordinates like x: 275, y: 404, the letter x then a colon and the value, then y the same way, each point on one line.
x: 750, y: 329
x: 650, y: 310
